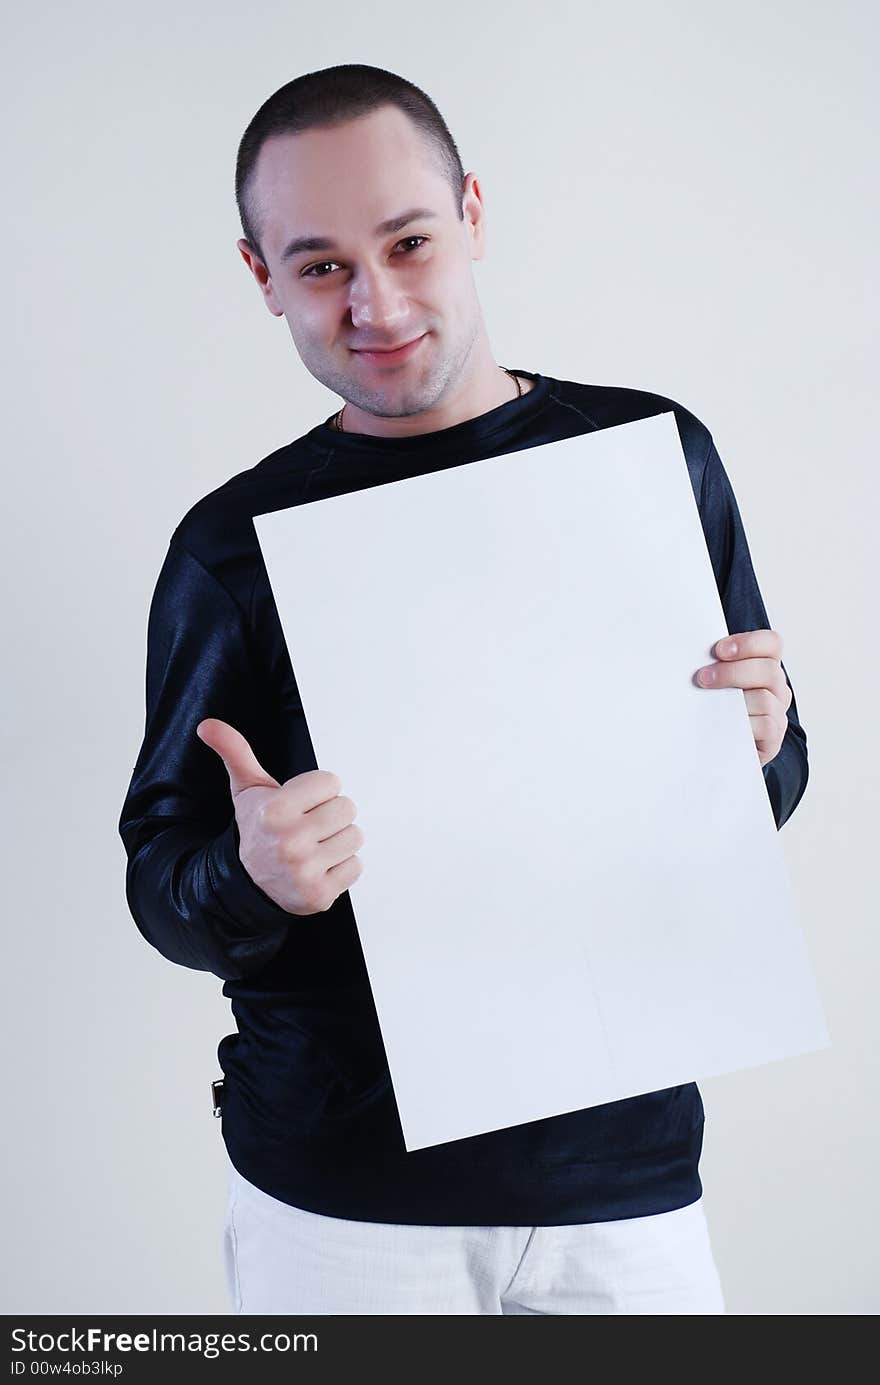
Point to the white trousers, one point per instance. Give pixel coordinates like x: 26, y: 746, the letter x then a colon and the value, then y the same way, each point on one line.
x: 281, y: 1259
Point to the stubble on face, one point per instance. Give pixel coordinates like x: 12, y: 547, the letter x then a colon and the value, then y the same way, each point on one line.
x: 412, y: 389
x: 397, y: 170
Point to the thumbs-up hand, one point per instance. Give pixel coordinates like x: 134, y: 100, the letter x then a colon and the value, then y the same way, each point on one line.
x: 297, y: 839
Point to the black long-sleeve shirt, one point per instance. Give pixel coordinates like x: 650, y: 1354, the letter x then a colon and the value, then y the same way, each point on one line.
x: 308, y: 1111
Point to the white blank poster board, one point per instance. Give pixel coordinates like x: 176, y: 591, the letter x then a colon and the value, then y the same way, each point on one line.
x: 572, y: 887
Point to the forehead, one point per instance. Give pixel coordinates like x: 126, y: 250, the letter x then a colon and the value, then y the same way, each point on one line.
x: 347, y: 178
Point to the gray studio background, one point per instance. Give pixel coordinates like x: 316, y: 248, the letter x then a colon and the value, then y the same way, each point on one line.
x: 679, y: 199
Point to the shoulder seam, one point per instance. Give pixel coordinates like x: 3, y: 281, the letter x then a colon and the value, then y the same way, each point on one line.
x: 565, y: 404
x: 214, y: 578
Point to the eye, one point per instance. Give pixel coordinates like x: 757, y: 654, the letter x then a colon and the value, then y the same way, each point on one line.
x: 310, y: 272
x: 406, y: 238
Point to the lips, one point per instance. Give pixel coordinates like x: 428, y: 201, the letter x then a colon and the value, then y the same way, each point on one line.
x: 392, y: 356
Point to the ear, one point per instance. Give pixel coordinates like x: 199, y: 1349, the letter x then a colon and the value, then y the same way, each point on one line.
x: 474, y: 216
x: 261, y: 274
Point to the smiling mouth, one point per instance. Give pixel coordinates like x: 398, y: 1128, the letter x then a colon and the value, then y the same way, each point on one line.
x: 397, y: 353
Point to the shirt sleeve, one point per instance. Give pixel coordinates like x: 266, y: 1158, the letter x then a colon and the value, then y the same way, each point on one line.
x: 186, y: 887
x: 786, y: 774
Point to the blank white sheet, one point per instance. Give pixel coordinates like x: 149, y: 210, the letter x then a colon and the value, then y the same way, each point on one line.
x: 572, y: 887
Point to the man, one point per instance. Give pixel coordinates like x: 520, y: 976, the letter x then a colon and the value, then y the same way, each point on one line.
x: 360, y: 229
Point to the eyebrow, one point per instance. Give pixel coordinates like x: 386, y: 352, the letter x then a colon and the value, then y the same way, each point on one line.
x: 385, y: 228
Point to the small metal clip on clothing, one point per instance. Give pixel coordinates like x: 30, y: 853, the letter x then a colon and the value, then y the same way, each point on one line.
x: 217, y: 1095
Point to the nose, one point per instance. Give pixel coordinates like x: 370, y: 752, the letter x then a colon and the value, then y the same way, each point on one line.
x: 377, y: 302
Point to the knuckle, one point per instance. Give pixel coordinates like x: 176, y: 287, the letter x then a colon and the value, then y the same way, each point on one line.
x: 309, y: 879
x: 293, y: 850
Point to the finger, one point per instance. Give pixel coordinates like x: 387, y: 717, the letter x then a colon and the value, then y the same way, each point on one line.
x: 744, y: 673
x: 766, y: 733
x: 312, y: 799
x: 312, y: 791
x: 761, y: 702
x: 749, y: 644
x: 242, y: 765
x: 341, y: 845
x: 345, y: 874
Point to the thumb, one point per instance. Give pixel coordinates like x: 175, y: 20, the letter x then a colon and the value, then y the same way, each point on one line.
x: 242, y: 765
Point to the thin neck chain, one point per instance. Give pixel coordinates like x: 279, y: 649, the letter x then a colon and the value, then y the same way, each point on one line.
x: 337, y: 418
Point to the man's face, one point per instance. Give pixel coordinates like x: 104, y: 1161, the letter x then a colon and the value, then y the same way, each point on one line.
x: 369, y: 289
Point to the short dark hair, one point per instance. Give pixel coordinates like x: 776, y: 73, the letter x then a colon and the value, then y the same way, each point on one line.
x: 329, y: 97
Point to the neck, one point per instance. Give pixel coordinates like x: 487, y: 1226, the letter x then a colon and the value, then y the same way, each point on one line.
x: 519, y: 385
